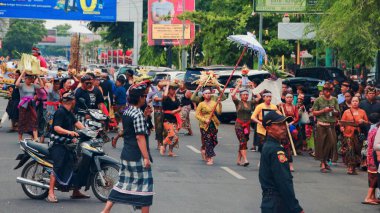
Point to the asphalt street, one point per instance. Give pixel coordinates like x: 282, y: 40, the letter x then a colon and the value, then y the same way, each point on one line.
x: 185, y: 184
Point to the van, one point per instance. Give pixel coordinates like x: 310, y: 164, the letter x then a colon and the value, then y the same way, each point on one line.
x: 322, y: 73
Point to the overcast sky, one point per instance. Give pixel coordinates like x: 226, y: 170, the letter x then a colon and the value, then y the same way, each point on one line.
x: 77, y: 26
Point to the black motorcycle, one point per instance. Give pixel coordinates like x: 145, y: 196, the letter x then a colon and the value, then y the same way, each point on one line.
x: 93, y: 168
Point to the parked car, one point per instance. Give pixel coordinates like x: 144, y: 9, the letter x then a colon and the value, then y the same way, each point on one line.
x: 168, y: 75
x: 229, y: 109
x: 322, y: 73
x: 309, y: 84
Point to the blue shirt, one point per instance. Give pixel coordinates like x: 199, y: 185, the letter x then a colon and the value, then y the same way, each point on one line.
x: 341, y: 98
x: 120, y: 95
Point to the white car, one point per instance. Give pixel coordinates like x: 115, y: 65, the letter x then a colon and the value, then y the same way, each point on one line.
x: 228, y: 106
x: 168, y: 75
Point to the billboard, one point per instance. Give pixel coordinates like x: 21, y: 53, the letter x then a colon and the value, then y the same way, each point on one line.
x: 85, y: 10
x: 280, y: 5
x: 164, y: 28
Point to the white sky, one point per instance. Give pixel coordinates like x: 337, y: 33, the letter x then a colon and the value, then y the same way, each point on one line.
x: 77, y: 26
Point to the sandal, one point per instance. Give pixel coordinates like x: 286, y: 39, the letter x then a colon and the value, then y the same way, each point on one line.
x: 51, y: 199
x: 81, y: 196
x: 172, y: 154
x: 370, y: 203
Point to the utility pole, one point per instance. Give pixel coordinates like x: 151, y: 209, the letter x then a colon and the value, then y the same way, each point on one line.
x: 260, y: 37
x: 184, y: 52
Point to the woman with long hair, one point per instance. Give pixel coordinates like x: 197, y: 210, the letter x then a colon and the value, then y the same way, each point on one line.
x: 27, y: 111
x: 208, y: 124
x: 351, y: 146
x: 12, y: 109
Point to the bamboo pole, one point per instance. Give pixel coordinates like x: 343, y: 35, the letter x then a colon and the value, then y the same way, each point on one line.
x: 228, y: 81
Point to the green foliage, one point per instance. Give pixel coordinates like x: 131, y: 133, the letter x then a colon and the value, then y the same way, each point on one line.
x: 63, y: 29
x: 277, y: 47
x: 115, y: 33
x: 22, y: 35
x: 275, y: 70
x: 351, y: 27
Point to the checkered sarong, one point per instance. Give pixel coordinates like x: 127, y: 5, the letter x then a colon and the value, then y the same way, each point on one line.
x: 134, y: 179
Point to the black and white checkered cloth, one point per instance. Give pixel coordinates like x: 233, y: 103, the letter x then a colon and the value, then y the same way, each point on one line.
x: 139, y: 121
x: 134, y: 179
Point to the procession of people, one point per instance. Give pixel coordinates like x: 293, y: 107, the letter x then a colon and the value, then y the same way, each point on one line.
x: 345, y: 126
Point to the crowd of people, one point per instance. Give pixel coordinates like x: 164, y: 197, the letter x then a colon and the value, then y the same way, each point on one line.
x: 338, y: 122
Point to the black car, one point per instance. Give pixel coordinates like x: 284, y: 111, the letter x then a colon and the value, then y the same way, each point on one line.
x: 322, y: 73
x: 192, y: 74
x: 309, y: 84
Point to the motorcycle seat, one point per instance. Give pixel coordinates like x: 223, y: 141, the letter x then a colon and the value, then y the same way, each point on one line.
x: 42, y: 148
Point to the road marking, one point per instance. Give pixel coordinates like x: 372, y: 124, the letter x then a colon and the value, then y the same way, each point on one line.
x: 233, y: 173
x: 193, y: 149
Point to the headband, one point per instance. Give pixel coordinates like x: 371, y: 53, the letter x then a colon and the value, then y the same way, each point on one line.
x: 288, y: 95
x: 244, y: 92
x: 267, y: 94
x: 206, y: 91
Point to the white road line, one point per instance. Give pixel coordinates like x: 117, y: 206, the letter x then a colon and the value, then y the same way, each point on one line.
x: 193, y: 149
x: 233, y: 173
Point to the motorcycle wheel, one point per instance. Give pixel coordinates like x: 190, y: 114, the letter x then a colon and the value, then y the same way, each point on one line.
x: 34, y: 171
x: 111, y: 176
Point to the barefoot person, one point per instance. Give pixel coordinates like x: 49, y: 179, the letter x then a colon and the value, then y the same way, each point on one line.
x: 135, y: 186
x: 209, y: 127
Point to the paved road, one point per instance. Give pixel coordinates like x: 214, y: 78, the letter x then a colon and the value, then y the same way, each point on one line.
x: 184, y: 184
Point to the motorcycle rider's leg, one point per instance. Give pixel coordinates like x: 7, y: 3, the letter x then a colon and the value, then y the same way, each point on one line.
x: 51, y: 195
x: 108, y: 207
x: 19, y: 136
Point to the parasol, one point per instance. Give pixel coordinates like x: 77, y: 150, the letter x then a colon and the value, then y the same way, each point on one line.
x: 248, y: 42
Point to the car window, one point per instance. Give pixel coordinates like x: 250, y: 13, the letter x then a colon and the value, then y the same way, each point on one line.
x: 162, y: 77
x: 259, y: 77
x: 231, y: 84
x: 180, y: 76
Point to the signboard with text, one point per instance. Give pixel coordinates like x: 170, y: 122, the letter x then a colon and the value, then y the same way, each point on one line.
x: 164, y: 28
x: 281, y: 5
x: 84, y: 10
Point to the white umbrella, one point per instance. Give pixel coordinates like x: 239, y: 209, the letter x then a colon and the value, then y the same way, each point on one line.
x: 249, y: 41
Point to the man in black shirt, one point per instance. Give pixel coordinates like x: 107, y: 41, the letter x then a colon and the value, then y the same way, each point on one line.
x: 371, y: 106
x: 92, y: 96
x: 64, y: 124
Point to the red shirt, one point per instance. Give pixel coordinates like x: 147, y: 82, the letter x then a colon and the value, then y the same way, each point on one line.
x: 42, y: 61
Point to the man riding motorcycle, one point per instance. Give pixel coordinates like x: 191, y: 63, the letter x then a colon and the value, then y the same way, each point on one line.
x: 64, y: 124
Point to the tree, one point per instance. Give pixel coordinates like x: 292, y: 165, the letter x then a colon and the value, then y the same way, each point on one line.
x: 22, y: 35
x: 351, y: 27
x: 115, y: 33
x: 63, y: 29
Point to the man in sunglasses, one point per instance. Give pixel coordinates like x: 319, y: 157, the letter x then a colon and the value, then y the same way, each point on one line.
x: 92, y: 96
x: 326, y: 109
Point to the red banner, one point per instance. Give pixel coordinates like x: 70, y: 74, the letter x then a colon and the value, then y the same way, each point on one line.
x: 164, y: 28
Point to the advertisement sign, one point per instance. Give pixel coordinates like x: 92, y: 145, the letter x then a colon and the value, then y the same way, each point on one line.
x: 280, y: 5
x: 51, y: 37
x: 164, y: 28
x: 84, y: 10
